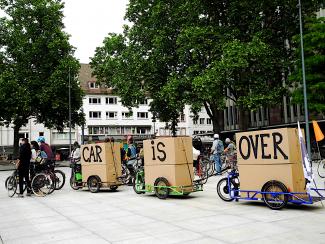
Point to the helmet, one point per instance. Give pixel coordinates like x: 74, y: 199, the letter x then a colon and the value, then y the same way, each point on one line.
x: 227, y: 140
x: 216, y: 136
x: 41, y: 139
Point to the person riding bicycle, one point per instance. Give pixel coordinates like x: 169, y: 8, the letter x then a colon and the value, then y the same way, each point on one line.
x: 130, y: 155
x: 230, y: 152
x: 46, y: 148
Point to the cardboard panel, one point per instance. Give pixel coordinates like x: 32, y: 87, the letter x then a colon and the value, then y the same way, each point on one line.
x: 103, y: 160
x: 278, y: 146
x: 177, y: 175
x: 168, y: 150
x: 253, y: 177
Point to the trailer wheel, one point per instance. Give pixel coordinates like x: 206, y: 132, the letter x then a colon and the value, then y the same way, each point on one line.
x: 274, y: 199
x: 113, y: 188
x: 223, y: 189
x: 94, y: 184
x: 161, y: 188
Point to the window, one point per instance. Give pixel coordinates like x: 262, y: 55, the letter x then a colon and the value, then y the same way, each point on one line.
x: 63, y: 135
x: 126, y: 115
x: 142, y: 130
x: 95, y: 114
x: 194, y: 121
x: 41, y: 133
x: 195, y: 132
x: 111, y: 115
x: 182, y: 117
x: 93, y: 85
x: 111, y: 100
x: 94, y: 100
x: 143, y: 101
x: 202, y: 121
x: 143, y: 115
x: 209, y: 121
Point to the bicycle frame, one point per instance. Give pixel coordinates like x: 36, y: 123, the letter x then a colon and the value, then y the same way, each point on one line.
x: 293, y: 197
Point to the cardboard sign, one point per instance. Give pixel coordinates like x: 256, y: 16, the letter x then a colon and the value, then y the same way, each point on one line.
x: 268, y: 146
x: 168, y: 150
x: 171, y: 158
x: 103, y: 160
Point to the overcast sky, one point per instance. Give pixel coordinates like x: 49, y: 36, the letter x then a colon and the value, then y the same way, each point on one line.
x: 89, y: 21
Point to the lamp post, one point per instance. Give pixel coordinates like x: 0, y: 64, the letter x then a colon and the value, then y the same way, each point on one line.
x: 69, y: 114
x: 304, y: 81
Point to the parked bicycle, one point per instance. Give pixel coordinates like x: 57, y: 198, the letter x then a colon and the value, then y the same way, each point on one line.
x: 12, y: 183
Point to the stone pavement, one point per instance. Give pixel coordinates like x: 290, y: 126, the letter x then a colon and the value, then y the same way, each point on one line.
x: 69, y: 216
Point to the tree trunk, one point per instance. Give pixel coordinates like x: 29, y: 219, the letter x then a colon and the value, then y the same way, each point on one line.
x: 216, y: 115
x: 243, y: 119
x: 16, y: 141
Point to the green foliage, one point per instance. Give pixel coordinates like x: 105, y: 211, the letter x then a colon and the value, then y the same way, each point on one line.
x: 314, y: 50
x: 35, y: 60
x: 200, y: 52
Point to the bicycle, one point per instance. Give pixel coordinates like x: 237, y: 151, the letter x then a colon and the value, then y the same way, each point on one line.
x: 12, y: 183
x: 76, y: 177
x: 44, y: 181
x: 321, y: 168
x: 201, y: 169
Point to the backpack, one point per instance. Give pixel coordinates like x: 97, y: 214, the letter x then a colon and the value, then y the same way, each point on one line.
x: 41, y: 157
x: 219, y: 147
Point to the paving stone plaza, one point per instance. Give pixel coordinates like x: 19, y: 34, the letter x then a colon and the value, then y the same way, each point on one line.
x: 69, y: 216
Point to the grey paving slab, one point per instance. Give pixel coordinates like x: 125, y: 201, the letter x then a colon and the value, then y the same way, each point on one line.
x: 69, y: 216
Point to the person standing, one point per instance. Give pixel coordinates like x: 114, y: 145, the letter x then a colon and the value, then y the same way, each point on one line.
x: 25, y: 154
x: 35, y: 153
x: 217, y: 150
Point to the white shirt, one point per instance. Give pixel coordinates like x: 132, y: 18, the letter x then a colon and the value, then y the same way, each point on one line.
x: 34, y: 155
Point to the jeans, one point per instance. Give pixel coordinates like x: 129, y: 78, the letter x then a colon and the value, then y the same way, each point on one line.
x: 217, y: 161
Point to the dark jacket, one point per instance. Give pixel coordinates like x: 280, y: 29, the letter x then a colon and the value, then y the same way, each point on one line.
x: 25, y: 154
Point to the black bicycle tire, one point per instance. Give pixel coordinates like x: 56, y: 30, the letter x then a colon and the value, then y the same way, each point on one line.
x: 219, y: 186
x: 73, y: 183
x: 36, y: 189
x: 282, y: 188
x: 14, y: 183
x: 59, y: 187
x: 158, y: 193
x: 6, y: 181
x: 53, y: 179
x: 321, y: 168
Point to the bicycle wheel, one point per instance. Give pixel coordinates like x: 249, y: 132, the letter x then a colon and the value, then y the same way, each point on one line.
x: 42, y: 184
x: 274, y: 198
x: 59, y: 179
x: 223, y: 189
x: 52, y: 176
x: 210, y: 167
x: 74, y: 184
x: 126, y: 175
x: 11, y: 186
x: 321, y: 169
x: 6, y: 182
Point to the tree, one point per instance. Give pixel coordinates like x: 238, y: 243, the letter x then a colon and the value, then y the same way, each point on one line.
x: 36, y: 60
x: 178, y: 51
x: 314, y: 50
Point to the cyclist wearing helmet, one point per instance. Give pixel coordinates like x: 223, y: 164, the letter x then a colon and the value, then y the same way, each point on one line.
x: 230, y: 152
x: 230, y: 149
x: 45, y: 147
